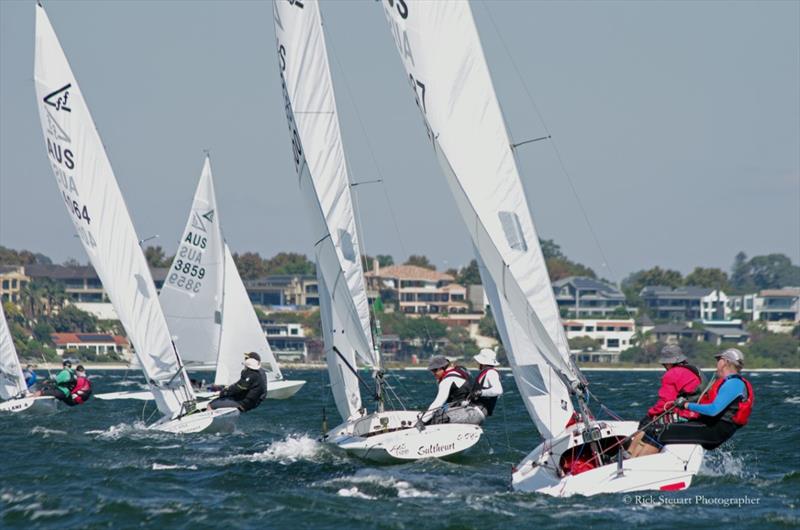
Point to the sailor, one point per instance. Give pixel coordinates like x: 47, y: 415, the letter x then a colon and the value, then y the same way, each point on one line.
x: 249, y: 391
x: 451, y: 404
x: 30, y: 376
x: 60, y: 387
x: 82, y: 390
x: 487, y: 387
x: 680, y: 379
x: 723, y: 410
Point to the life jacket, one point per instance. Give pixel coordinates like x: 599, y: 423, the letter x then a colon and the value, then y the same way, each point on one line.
x: 738, y: 412
x: 81, y: 392
x: 458, y: 393
x: 698, y: 390
x: 487, y: 403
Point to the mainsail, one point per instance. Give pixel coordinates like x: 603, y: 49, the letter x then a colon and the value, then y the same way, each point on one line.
x: 322, y: 174
x: 94, y: 202
x: 12, y: 382
x: 191, y: 296
x: 441, y: 51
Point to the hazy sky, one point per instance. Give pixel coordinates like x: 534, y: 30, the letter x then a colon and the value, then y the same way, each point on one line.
x: 679, y: 123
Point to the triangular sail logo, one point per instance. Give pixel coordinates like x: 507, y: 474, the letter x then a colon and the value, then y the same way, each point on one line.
x: 209, y: 215
x: 60, y: 98
x: 54, y: 129
x: 197, y: 222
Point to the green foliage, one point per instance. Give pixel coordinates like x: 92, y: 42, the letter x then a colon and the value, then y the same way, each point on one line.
x: 708, y: 277
x: 635, y: 282
x: 782, y: 349
x: 384, y: 260
x: 772, y: 271
x: 250, y: 265
x: 469, y: 275
x: 550, y: 249
x: 584, y: 343
x: 72, y: 319
x: 155, y: 257
x: 42, y: 330
x: 22, y: 257
x: 420, y: 261
x: 42, y: 297
x: 459, y: 344
x: 290, y: 263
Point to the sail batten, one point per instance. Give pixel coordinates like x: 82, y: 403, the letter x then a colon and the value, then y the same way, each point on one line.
x: 95, y: 204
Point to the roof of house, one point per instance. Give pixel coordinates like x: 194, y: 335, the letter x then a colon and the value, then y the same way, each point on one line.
x: 604, y: 290
x: 727, y: 332
x: 688, y: 291
x: 409, y: 272
x: 88, y: 338
x: 673, y: 327
x: 60, y: 272
x: 9, y: 268
x: 786, y: 291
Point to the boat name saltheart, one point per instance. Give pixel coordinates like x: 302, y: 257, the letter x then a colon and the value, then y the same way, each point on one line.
x: 435, y: 448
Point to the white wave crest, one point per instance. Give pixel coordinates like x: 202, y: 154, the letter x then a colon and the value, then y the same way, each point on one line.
x: 289, y: 450
x: 160, y: 467
x: 353, y: 492
x: 118, y: 431
x: 721, y: 463
x: 402, y: 488
x: 45, y: 432
x: 794, y: 400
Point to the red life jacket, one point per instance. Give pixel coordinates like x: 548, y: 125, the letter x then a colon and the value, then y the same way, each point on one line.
x: 739, y: 410
x: 488, y: 403
x: 81, y: 392
x: 457, y: 394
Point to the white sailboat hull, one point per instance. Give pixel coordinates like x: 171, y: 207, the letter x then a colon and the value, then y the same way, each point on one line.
x: 283, y: 389
x: 392, y: 437
x: 32, y: 404
x: 208, y: 421
x: 671, y: 469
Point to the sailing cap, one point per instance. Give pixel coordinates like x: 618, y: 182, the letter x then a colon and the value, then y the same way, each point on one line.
x: 67, y: 363
x: 438, y: 361
x: 671, y: 354
x: 732, y: 355
x: 487, y: 357
x: 252, y: 355
x: 80, y: 369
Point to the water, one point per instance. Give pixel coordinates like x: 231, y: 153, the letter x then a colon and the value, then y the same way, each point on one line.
x: 94, y: 467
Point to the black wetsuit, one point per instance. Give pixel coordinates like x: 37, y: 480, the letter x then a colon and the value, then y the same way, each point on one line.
x: 245, y: 394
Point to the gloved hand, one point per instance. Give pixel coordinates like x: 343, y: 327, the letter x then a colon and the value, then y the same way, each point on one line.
x: 681, y: 402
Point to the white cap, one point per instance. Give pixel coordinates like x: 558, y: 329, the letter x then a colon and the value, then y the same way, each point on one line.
x: 487, y: 357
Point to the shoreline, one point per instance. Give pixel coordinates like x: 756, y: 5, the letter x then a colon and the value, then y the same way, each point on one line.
x: 317, y: 366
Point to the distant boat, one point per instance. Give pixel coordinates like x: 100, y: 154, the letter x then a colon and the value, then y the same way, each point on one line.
x: 442, y: 54
x: 386, y: 436
x: 94, y: 203
x: 13, y: 389
x: 209, y: 314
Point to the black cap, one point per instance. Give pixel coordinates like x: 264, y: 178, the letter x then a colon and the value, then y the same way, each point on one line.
x: 252, y: 355
x: 67, y: 363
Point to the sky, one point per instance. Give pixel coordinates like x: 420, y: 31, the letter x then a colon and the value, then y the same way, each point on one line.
x: 678, y: 124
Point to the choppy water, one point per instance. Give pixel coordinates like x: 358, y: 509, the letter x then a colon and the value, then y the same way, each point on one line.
x: 94, y: 467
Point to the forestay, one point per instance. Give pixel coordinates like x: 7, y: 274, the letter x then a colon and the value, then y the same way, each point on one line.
x: 441, y: 51
x: 94, y: 202
x: 12, y: 382
x: 321, y: 168
x: 192, y: 293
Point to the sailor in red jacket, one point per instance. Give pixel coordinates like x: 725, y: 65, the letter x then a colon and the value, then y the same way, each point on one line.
x: 680, y: 379
x: 723, y: 410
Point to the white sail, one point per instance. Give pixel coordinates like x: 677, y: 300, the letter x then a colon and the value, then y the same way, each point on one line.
x: 191, y: 296
x: 544, y: 394
x: 321, y: 168
x: 241, y: 330
x: 94, y: 202
x: 440, y: 49
x: 12, y: 382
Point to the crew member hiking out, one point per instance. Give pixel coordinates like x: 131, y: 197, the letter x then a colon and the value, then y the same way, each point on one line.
x: 680, y: 379
x: 723, y: 410
x: 487, y: 387
x: 82, y: 390
x: 61, y: 386
x: 451, y: 404
x: 249, y: 391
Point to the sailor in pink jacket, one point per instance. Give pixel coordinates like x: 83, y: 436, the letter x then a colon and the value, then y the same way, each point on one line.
x: 680, y: 379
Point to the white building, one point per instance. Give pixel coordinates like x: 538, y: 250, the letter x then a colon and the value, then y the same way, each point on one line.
x: 614, y: 336
x: 779, y: 308
x: 287, y: 340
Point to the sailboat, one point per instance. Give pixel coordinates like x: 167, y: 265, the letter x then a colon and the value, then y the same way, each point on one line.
x: 95, y: 205
x: 208, y: 312
x: 13, y: 390
x: 441, y: 51
x: 382, y: 436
